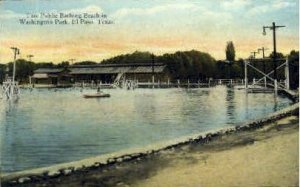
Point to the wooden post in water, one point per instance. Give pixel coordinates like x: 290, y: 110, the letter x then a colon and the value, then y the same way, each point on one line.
x: 265, y: 82
x: 287, y: 74
x: 153, y: 81
x: 188, y: 83
x: 178, y: 83
x: 275, y: 87
x: 168, y: 82
x: 152, y: 70
x: 246, y: 75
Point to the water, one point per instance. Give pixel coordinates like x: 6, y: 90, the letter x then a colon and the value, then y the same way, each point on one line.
x: 47, y: 127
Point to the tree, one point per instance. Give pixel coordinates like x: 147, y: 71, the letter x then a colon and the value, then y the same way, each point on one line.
x: 63, y: 64
x: 278, y: 55
x: 2, y: 72
x: 230, y: 51
x: 24, y: 69
x: 86, y: 63
x: 294, y: 69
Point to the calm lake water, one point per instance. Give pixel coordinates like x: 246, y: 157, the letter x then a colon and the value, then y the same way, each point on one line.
x: 47, y: 127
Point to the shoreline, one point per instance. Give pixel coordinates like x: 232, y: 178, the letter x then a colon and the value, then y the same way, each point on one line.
x: 268, y: 156
x: 138, y: 153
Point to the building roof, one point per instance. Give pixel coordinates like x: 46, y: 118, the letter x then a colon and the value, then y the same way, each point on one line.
x: 118, y: 65
x: 116, y: 69
x: 105, y: 69
x: 49, y: 70
x: 40, y: 75
x: 43, y: 75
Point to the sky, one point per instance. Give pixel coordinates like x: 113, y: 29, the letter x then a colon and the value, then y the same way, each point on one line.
x: 157, y: 26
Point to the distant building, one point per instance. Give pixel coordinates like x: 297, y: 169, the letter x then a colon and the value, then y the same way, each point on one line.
x: 106, y: 73
x: 50, y: 76
x: 110, y: 72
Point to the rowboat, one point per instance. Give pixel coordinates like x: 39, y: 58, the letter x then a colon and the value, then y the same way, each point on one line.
x: 97, y: 95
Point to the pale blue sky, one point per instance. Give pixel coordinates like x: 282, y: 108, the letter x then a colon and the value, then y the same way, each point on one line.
x: 157, y: 26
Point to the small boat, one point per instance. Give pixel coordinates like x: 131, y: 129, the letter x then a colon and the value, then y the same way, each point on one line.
x: 97, y: 95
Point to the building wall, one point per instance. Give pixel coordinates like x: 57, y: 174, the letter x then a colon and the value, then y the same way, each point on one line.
x: 88, y: 78
x: 109, y: 78
x: 44, y: 81
x: 161, y: 77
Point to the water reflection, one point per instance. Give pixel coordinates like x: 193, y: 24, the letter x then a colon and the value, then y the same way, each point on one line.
x: 246, y: 106
x: 230, y: 105
x: 275, y: 102
x: 47, y: 127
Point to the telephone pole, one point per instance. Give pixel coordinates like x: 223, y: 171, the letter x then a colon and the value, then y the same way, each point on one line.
x: 16, y: 52
x: 10, y: 87
x: 152, y: 56
x: 263, y: 49
x: 29, y: 57
x: 72, y: 60
x: 253, y: 54
x: 273, y: 27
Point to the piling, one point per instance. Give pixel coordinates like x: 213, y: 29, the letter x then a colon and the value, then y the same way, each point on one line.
x: 153, y: 81
x: 275, y: 87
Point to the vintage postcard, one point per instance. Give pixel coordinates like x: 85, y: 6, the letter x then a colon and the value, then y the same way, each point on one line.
x: 161, y: 93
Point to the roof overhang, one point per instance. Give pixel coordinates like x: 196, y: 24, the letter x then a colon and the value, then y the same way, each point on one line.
x: 40, y: 76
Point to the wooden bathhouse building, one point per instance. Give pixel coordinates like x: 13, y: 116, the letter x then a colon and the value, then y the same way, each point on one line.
x: 105, y: 73
x: 50, y: 76
x: 108, y: 73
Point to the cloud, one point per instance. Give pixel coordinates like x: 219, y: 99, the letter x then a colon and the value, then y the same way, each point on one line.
x: 235, y: 4
x: 270, y: 7
x: 88, y: 9
x: 9, y: 14
x: 283, y: 4
x: 155, y: 10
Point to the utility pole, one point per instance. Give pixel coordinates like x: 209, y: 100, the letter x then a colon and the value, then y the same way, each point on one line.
x: 16, y: 52
x: 254, y: 53
x: 72, y: 60
x: 263, y: 49
x: 10, y: 87
x: 29, y: 57
x: 152, y: 56
x: 273, y: 27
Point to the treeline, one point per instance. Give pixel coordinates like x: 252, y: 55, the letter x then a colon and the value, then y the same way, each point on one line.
x: 195, y: 65
x: 192, y: 65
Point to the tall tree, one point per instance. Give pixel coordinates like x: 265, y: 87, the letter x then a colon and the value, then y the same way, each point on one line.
x: 230, y: 51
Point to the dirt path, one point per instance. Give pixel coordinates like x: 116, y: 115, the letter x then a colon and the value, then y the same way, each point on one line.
x: 271, y: 161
